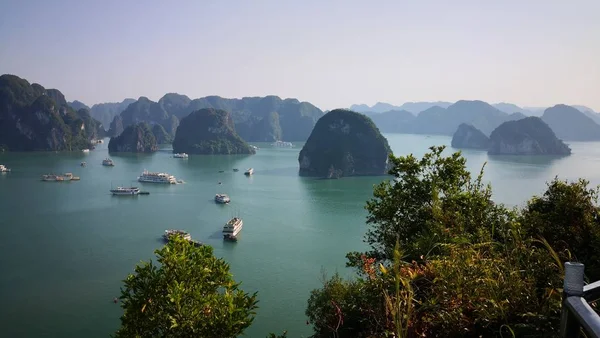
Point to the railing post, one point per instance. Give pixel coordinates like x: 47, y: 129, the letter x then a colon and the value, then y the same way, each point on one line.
x: 572, y: 287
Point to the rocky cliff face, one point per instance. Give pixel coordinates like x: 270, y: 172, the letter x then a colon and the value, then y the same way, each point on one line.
x: 210, y: 132
x: 137, y: 138
x: 528, y: 136
x: 469, y: 137
x: 344, y: 143
x: 33, y: 118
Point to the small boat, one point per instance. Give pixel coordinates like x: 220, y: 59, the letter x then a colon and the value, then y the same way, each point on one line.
x: 249, y: 172
x: 232, y: 228
x: 254, y: 147
x: 4, y: 169
x: 180, y: 155
x: 236, y: 169
x: 85, y: 150
x: 221, y: 171
x: 108, y: 162
x: 172, y: 232
x: 83, y: 164
x: 123, y: 191
x: 222, y: 198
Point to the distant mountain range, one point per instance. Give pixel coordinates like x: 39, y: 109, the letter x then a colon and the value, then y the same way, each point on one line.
x: 256, y: 119
x: 570, y: 123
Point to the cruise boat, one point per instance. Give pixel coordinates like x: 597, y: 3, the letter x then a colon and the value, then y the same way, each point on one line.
x: 4, y: 169
x: 180, y: 155
x: 249, y: 172
x: 150, y: 177
x: 121, y: 191
x: 60, y: 178
x: 172, y: 232
x: 108, y: 162
x: 222, y: 198
x: 282, y: 144
x: 232, y: 228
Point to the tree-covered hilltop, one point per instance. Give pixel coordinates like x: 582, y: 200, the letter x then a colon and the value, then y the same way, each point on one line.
x: 137, y: 138
x: 570, y: 124
x: 33, y: 118
x: 344, y: 143
x: 209, y: 132
x: 77, y: 105
x: 144, y: 110
x: 528, y: 136
x: 469, y: 137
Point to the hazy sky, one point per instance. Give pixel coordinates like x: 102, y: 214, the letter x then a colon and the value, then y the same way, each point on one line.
x: 331, y: 53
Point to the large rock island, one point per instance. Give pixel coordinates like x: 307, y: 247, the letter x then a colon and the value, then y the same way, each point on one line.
x: 209, y: 132
x: 469, y: 137
x: 137, y: 138
x: 344, y: 143
x: 528, y: 136
x: 33, y: 118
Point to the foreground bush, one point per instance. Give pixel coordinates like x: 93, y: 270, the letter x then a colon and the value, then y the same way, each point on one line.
x: 445, y: 260
x: 189, y: 294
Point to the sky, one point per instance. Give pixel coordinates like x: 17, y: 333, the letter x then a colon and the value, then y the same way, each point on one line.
x: 330, y: 53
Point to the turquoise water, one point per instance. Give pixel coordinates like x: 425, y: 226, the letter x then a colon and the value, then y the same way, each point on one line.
x: 67, y: 246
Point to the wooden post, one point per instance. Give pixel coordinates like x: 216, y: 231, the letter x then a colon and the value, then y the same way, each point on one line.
x: 572, y: 287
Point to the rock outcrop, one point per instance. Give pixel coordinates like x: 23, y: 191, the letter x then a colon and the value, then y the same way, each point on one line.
x: 469, y: 137
x: 33, y: 118
x: 571, y: 124
x: 144, y: 110
x: 528, y: 136
x: 209, y: 132
x: 137, y: 138
x: 344, y: 143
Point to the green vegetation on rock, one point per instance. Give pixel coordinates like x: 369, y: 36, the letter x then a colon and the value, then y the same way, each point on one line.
x: 209, y: 132
x: 344, y: 143
x: 144, y: 110
x: 469, y: 137
x: 137, y: 138
x: 528, y: 136
x: 33, y: 118
x: 162, y: 137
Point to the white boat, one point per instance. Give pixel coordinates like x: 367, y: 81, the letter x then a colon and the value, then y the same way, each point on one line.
x: 108, y: 162
x: 180, y: 155
x: 60, y: 178
x: 151, y: 177
x: 172, y: 232
x: 232, y: 228
x: 249, y: 172
x: 4, y: 169
x: 86, y: 150
x: 282, y: 144
x: 254, y: 147
x: 120, y: 191
x: 222, y: 198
